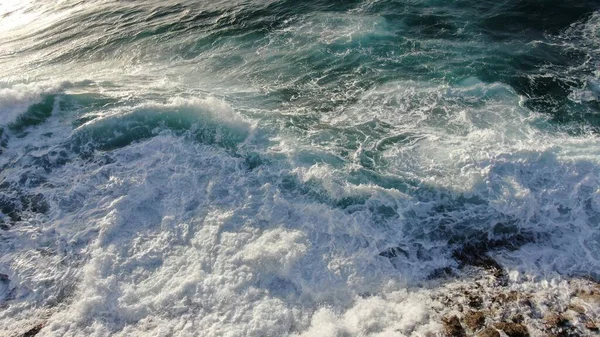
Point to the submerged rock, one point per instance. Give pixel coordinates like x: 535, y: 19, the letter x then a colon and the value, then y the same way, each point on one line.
x: 568, y: 308
x: 577, y: 308
x: 33, y: 331
x: 591, y: 326
x: 589, y: 295
x: 554, y: 320
x: 512, y: 329
x: 474, y: 320
x: 475, y: 301
x: 452, y: 327
x: 489, y: 332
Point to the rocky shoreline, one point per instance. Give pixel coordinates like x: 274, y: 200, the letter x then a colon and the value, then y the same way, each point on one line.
x: 485, y: 308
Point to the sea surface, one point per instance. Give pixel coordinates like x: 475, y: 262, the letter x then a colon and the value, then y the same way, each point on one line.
x: 290, y: 168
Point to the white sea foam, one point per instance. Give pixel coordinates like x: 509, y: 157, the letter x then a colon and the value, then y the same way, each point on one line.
x: 502, y: 153
x: 174, y: 237
x: 221, y: 269
x: 181, y: 239
x: 15, y: 99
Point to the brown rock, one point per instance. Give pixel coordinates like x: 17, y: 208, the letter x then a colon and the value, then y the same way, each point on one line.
x: 33, y: 331
x: 452, y: 327
x: 591, y: 326
x: 489, y: 332
x: 592, y: 295
x: 474, y: 320
x: 526, y: 302
x: 577, y: 308
x: 512, y: 329
x: 555, y: 320
x: 475, y: 301
x: 511, y: 296
x: 518, y: 318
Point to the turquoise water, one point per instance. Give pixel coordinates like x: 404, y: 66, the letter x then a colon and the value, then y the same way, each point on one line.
x: 236, y: 168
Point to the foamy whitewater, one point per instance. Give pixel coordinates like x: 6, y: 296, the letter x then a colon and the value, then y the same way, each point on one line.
x: 295, y: 168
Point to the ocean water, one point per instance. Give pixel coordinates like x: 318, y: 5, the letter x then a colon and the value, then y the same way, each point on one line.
x: 290, y: 168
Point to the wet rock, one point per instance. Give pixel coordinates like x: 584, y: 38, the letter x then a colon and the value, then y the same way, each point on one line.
x: 475, y: 255
x: 591, y: 326
x: 474, y: 320
x: 519, y: 313
x: 518, y: 318
x: 452, y: 327
x: 526, y: 302
x: 489, y: 332
x: 475, y: 301
x: 33, y: 331
x: 555, y: 320
x: 558, y: 325
x: 577, y: 308
x: 512, y: 329
x: 511, y: 296
x: 592, y: 295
